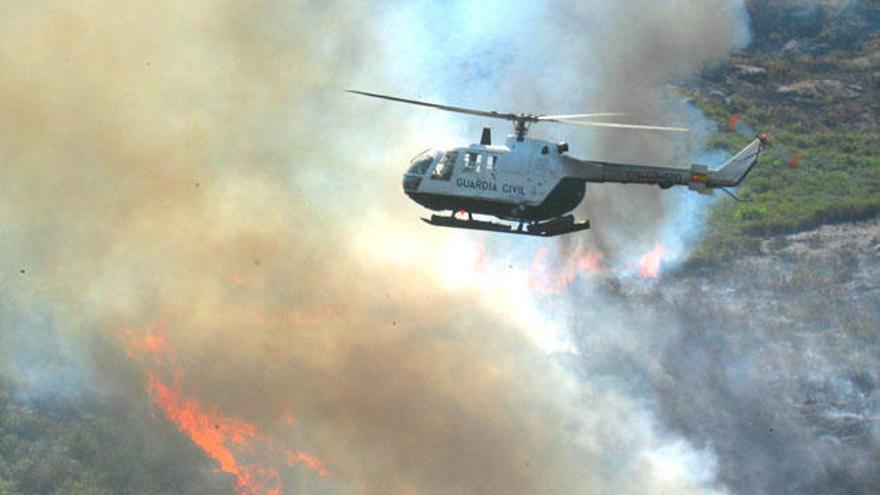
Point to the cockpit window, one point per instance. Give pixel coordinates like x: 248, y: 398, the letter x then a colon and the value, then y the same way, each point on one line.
x: 443, y: 170
x: 421, y: 166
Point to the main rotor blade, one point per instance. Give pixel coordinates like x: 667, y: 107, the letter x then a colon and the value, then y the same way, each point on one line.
x: 448, y: 108
x: 625, y: 126
x: 554, y: 118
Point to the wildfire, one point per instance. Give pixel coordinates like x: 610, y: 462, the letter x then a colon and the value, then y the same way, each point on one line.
x: 732, y: 122
x: 649, y: 264
x: 225, y: 439
x: 556, y: 279
x: 215, y: 434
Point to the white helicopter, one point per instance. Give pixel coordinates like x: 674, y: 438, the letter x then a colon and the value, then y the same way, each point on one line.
x: 532, y: 182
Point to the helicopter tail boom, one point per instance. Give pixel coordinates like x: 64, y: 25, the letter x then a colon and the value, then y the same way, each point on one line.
x: 698, y: 178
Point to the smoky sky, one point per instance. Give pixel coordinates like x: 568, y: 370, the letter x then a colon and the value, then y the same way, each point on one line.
x: 197, y: 168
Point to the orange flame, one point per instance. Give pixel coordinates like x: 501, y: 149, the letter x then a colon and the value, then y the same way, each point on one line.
x: 221, y: 437
x: 581, y: 261
x: 732, y: 122
x: 215, y: 434
x: 649, y: 264
x: 150, y: 343
x: 555, y: 280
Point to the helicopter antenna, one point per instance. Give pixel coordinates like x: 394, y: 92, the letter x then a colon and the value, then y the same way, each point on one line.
x: 522, y: 121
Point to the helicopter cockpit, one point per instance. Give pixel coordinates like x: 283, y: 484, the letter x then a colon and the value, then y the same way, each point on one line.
x: 421, y: 163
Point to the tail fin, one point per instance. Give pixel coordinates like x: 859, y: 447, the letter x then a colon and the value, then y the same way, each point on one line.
x: 735, y: 170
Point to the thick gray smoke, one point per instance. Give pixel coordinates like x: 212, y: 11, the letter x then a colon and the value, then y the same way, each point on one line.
x: 754, y: 360
x: 194, y: 171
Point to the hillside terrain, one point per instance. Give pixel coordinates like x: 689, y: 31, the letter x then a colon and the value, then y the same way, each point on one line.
x: 811, y: 78
x: 91, y: 446
x: 785, y: 361
x: 780, y: 303
x: 771, y: 361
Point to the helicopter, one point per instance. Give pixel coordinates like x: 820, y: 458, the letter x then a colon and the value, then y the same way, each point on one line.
x: 535, y: 184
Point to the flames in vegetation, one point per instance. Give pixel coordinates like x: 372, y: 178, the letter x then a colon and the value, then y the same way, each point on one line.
x: 230, y: 441
x: 649, y: 264
x: 555, y: 277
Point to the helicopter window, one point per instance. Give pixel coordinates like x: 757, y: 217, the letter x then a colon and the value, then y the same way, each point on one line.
x: 421, y: 166
x: 443, y: 170
x: 471, y: 162
x: 490, y: 163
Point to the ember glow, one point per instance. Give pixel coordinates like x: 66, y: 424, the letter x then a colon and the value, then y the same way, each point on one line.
x: 583, y: 261
x: 732, y: 122
x: 228, y: 440
x: 555, y: 277
x: 649, y: 264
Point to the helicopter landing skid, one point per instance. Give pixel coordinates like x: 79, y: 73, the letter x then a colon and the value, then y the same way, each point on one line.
x: 559, y: 226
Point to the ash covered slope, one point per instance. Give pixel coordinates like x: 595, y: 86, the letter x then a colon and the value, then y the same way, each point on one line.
x: 813, y: 63
x: 770, y: 361
x: 776, y: 364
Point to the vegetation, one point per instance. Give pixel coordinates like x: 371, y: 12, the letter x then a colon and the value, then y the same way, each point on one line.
x: 837, y: 179
x: 56, y: 448
x: 830, y: 120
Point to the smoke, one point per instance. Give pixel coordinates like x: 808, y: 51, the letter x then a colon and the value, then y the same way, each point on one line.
x: 197, y: 168
x: 751, y: 361
x: 641, y: 49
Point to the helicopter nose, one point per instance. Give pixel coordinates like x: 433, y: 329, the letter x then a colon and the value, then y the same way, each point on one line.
x: 411, y: 182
